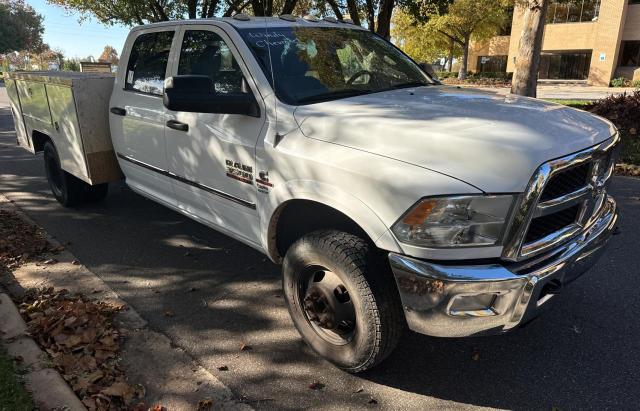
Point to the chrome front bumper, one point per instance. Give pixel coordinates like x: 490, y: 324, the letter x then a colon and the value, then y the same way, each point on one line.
x: 466, y: 300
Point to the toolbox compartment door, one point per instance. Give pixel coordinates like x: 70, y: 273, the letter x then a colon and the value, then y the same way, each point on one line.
x: 33, y: 98
x: 14, y: 102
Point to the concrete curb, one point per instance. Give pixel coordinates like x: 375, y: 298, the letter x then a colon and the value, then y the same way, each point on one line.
x: 149, y: 357
x: 46, y: 385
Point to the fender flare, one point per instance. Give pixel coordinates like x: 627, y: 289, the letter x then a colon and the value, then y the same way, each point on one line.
x: 330, y: 196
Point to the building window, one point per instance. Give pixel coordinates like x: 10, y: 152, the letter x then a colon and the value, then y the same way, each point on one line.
x: 565, y: 66
x: 492, y: 64
x: 572, y: 11
x: 630, y: 56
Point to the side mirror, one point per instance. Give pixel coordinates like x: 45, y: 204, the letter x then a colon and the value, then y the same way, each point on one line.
x: 196, y: 94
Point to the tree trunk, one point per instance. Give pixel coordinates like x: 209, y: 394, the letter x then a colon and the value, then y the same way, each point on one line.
x: 191, y: 7
x: 371, y: 16
x: 289, y: 6
x: 205, y: 9
x: 258, y: 7
x: 353, y: 11
x: 384, y: 18
x: 450, y: 57
x: 462, y: 74
x: 525, y: 77
x: 161, y: 13
x: 336, y: 9
x: 211, y: 9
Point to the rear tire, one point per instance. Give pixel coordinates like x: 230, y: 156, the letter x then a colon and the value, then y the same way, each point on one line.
x: 342, y: 299
x: 67, y: 189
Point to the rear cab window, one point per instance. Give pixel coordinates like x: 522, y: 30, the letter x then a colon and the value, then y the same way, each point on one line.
x: 147, y: 64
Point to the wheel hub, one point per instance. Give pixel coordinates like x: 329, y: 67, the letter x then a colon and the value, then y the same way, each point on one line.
x: 328, y: 305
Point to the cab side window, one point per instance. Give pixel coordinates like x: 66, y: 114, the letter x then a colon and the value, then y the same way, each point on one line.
x: 148, y: 62
x: 205, y: 53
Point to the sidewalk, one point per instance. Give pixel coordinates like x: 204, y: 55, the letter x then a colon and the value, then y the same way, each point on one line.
x: 567, y: 91
x: 169, y: 376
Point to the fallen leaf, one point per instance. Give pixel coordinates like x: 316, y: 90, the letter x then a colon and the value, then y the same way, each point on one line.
x: 316, y: 385
x: 204, y: 405
x: 75, y: 262
x: 50, y: 261
x: 72, y: 341
x: 157, y: 408
x: 120, y: 389
x: 245, y: 347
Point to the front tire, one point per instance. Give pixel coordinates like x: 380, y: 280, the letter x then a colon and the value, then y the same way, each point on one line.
x: 342, y: 299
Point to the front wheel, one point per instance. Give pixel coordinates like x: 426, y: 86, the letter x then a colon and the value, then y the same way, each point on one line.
x: 342, y: 299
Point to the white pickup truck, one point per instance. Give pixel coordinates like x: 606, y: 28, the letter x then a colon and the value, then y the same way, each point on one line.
x: 390, y: 199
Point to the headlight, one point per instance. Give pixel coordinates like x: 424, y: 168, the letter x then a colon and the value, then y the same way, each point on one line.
x: 455, y: 221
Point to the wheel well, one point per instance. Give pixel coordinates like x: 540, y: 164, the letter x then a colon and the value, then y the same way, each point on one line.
x: 295, y: 218
x: 39, y: 139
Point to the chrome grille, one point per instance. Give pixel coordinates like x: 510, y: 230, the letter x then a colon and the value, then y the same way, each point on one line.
x: 543, y: 226
x: 561, y: 200
x: 566, y: 182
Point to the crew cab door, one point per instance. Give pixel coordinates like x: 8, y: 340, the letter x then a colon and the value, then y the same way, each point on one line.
x: 213, y: 155
x: 137, y: 114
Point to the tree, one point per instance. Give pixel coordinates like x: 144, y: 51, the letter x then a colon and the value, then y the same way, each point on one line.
x: 131, y: 12
x: 422, y: 10
x: 467, y: 20
x: 525, y: 76
x: 45, y: 58
x: 419, y: 42
x: 109, y: 55
x: 20, y: 26
x: 71, y: 65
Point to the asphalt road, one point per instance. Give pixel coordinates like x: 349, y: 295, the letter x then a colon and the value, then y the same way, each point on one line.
x: 582, y: 354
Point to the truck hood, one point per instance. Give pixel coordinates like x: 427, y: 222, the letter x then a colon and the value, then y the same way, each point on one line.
x: 491, y: 141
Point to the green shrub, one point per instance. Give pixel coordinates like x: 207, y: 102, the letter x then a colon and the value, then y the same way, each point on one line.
x: 619, y: 82
x: 446, y: 74
x: 635, y: 83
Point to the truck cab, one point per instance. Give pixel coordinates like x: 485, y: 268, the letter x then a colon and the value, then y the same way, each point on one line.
x: 390, y: 199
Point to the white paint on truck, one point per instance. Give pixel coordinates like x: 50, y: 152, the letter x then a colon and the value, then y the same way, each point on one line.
x: 389, y: 198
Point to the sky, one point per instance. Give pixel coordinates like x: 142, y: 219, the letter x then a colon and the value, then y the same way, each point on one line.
x: 63, y: 31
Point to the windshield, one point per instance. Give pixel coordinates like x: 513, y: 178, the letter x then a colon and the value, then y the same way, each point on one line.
x: 319, y: 64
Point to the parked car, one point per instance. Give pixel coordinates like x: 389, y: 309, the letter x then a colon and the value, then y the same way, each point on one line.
x: 389, y: 199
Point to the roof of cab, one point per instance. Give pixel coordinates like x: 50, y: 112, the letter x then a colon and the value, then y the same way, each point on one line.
x: 256, y: 22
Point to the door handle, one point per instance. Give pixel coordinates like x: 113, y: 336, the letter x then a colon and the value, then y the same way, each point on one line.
x: 176, y: 125
x: 118, y: 111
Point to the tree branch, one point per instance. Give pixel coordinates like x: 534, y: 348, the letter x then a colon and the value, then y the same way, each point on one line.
x: 336, y: 9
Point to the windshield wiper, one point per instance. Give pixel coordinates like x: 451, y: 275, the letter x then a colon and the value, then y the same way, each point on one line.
x: 351, y: 92
x: 410, y: 84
